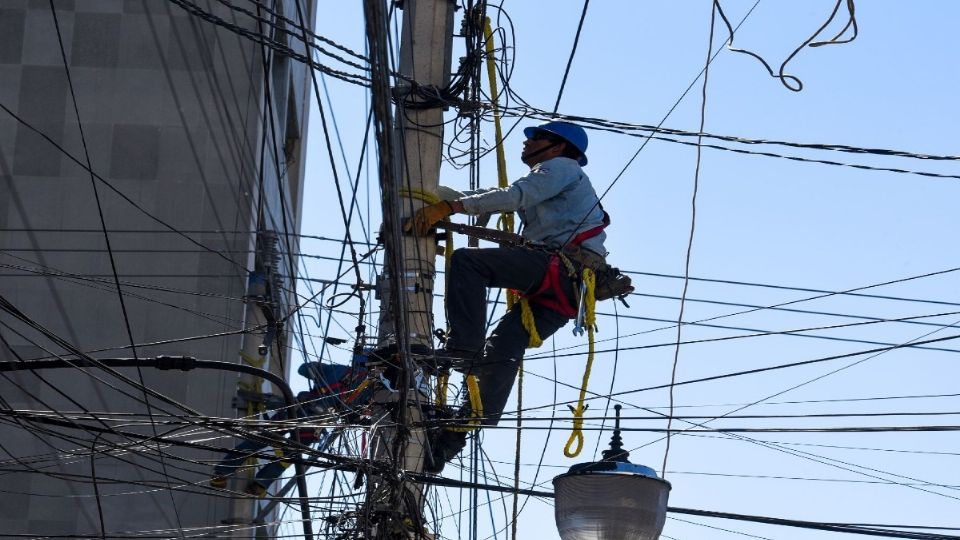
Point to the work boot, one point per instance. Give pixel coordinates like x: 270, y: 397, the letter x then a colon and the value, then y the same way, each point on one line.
x: 444, y: 446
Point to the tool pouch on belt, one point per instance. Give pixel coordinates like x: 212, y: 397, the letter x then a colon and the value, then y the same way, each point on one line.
x: 610, y: 282
x: 584, y: 257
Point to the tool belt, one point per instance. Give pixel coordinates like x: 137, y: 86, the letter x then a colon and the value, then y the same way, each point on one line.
x: 611, y: 283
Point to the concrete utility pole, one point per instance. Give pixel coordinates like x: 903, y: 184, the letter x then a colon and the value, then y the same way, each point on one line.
x: 410, y: 148
x: 425, y: 49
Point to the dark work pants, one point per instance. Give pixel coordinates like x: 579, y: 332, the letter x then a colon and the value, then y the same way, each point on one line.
x: 498, y: 358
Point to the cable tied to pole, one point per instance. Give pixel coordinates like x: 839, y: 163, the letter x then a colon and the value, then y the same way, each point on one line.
x: 590, y: 320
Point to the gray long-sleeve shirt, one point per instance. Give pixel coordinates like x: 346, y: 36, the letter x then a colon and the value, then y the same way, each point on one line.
x: 555, y: 200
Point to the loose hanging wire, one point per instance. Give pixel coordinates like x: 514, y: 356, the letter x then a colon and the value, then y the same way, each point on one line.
x: 693, y: 227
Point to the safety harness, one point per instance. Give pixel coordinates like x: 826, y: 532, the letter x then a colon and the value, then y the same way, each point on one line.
x: 550, y: 294
x: 599, y: 281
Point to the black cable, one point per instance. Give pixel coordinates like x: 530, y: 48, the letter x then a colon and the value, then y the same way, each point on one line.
x: 785, y: 310
x: 753, y: 307
x: 573, y: 51
x: 693, y: 227
x: 661, y: 416
x: 113, y: 188
x: 260, y: 39
x: 809, y: 401
x: 789, y: 80
x: 797, y: 453
x: 179, y: 231
x: 834, y: 527
x: 345, y: 216
x: 44, y: 440
x: 112, y: 258
x: 823, y: 293
x: 100, y: 284
x: 826, y: 294
x: 770, y: 368
x: 648, y: 137
x: 283, y: 21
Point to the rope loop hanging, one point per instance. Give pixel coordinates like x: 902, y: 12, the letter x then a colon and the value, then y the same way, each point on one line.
x: 590, y: 320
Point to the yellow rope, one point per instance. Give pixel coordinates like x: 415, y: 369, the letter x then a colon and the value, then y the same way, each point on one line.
x: 506, y: 219
x: 529, y: 324
x: 360, y: 388
x: 255, y: 387
x: 506, y: 223
x: 251, y: 361
x: 590, y: 319
x: 279, y: 452
x: 476, y: 406
x: 512, y: 298
x: 420, y: 195
x: 441, y: 393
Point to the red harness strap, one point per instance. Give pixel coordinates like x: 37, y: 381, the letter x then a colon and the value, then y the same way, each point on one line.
x: 306, y: 435
x: 550, y: 294
x: 590, y: 233
x: 552, y: 283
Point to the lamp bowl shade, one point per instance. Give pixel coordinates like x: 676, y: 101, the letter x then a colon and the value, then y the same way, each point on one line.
x: 610, y: 501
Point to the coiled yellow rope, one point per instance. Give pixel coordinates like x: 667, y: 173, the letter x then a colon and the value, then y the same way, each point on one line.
x: 590, y: 319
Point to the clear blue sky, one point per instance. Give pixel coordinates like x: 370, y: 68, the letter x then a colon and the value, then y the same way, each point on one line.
x: 759, y: 220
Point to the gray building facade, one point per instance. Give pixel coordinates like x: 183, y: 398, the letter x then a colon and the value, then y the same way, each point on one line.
x: 183, y: 139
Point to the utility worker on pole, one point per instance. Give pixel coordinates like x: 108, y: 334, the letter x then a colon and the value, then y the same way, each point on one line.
x: 563, y: 221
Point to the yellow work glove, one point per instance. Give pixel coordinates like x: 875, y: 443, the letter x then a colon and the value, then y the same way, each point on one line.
x: 428, y: 216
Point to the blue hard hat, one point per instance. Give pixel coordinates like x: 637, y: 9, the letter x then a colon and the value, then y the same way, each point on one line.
x: 571, y: 133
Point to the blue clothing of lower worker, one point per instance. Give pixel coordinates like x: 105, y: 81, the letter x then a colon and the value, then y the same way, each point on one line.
x: 334, y: 391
